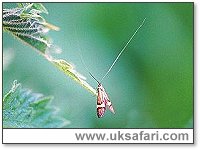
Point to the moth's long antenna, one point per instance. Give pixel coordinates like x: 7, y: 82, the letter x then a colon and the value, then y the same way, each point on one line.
x: 88, y: 69
x: 123, y: 50
x: 83, y: 62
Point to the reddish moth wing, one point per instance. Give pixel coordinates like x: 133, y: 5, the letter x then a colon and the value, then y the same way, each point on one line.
x: 103, y: 101
x: 102, y: 98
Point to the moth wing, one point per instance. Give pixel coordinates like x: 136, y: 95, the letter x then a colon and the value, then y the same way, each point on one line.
x: 100, y: 111
x: 108, y: 103
x: 110, y: 107
x: 101, y: 105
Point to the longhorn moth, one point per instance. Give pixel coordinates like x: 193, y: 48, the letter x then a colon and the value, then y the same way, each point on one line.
x: 102, y: 98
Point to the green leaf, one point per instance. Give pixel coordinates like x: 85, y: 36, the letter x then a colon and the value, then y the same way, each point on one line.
x: 40, y: 7
x: 20, y: 5
x: 26, y: 24
x: 24, y: 109
x: 69, y: 70
x: 36, y: 6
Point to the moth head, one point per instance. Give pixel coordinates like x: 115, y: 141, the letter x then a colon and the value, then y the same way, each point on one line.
x: 100, y: 87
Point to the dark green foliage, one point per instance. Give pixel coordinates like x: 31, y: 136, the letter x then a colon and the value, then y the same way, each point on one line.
x: 24, y: 109
x: 26, y: 23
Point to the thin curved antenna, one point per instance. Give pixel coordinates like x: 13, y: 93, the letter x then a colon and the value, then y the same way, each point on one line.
x: 94, y: 77
x: 83, y: 62
x: 123, y: 50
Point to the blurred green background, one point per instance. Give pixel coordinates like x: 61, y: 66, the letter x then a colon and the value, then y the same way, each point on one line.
x: 151, y: 86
